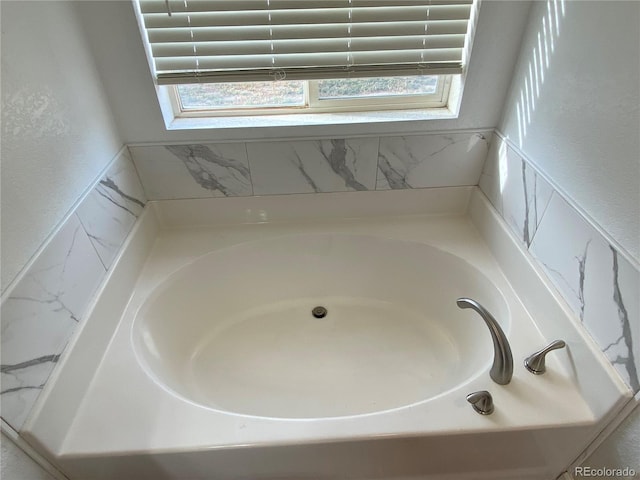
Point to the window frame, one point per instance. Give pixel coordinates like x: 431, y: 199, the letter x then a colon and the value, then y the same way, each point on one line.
x: 314, y: 105
x: 301, y: 123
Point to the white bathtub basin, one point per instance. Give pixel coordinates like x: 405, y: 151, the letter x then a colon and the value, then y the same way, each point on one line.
x: 203, y: 361
x: 234, y: 330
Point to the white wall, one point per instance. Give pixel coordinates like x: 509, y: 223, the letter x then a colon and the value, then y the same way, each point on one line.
x: 573, y: 108
x: 57, y: 128
x: 125, y: 72
x: 621, y: 449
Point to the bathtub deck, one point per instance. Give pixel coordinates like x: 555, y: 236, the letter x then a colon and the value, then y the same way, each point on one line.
x: 128, y: 424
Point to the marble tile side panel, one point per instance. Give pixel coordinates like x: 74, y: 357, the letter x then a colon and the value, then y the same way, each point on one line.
x: 41, y: 313
x: 597, y: 282
x: 193, y: 171
x: 525, y: 196
x: 111, y: 209
x: 491, y: 182
x: 431, y: 160
x: 336, y: 165
x: 612, y: 311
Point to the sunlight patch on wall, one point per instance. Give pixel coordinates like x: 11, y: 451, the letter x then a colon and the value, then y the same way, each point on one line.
x: 539, y: 63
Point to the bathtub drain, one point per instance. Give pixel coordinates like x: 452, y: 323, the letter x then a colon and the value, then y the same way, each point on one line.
x: 319, y: 312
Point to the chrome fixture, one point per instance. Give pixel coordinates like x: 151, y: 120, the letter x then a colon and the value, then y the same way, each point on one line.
x: 502, y: 369
x: 536, y: 362
x: 481, y: 402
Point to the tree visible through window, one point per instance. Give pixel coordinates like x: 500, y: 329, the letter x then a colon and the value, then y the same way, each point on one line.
x: 377, y: 87
x: 370, y: 93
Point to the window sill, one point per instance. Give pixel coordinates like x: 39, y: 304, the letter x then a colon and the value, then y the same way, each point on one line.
x: 318, y: 124
x: 312, y: 125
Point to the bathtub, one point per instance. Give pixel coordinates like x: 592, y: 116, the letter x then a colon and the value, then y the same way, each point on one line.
x: 204, y: 357
x: 234, y: 330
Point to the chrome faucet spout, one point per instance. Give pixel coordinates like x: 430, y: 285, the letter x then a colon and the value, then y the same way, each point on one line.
x: 502, y: 369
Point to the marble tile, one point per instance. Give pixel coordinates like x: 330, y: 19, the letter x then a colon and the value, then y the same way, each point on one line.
x: 111, y: 209
x: 40, y: 314
x: 313, y: 166
x: 612, y: 311
x: 437, y: 160
x: 193, y: 171
x: 525, y: 196
x: 599, y: 284
x: 491, y: 182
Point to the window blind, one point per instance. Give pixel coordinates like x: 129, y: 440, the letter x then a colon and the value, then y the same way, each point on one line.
x: 193, y: 41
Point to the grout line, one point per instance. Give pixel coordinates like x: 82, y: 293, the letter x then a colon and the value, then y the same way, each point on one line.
x: 142, y: 184
x: 95, y: 250
x: 246, y: 152
x: 135, y: 169
x: 531, y: 240
x: 375, y: 184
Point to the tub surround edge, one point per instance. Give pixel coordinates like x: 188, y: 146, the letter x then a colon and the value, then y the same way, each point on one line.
x: 53, y: 412
x: 48, y: 300
x: 548, y: 306
x: 175, y: 214
x: 596, y: 277
x: 610, y: 396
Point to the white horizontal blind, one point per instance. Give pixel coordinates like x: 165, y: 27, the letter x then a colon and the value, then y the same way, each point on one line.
x: 194, y: 41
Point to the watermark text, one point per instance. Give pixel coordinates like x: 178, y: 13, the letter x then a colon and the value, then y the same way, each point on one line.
x: 626, y: 472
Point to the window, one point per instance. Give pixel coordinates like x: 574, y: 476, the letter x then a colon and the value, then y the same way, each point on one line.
x: 321, y: 96
x: 264, y: 57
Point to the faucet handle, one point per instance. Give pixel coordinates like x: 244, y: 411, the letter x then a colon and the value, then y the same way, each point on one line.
x: 536, y: 363
x: 481, y: 401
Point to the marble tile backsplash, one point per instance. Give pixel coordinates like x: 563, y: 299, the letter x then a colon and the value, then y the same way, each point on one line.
x: 431, y: 160
x: 337, y: 165
x: 40, y: 313
x: 111, y: 208
x: 193, y: 171
x: 600, y: 285
x: 311, y: 166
